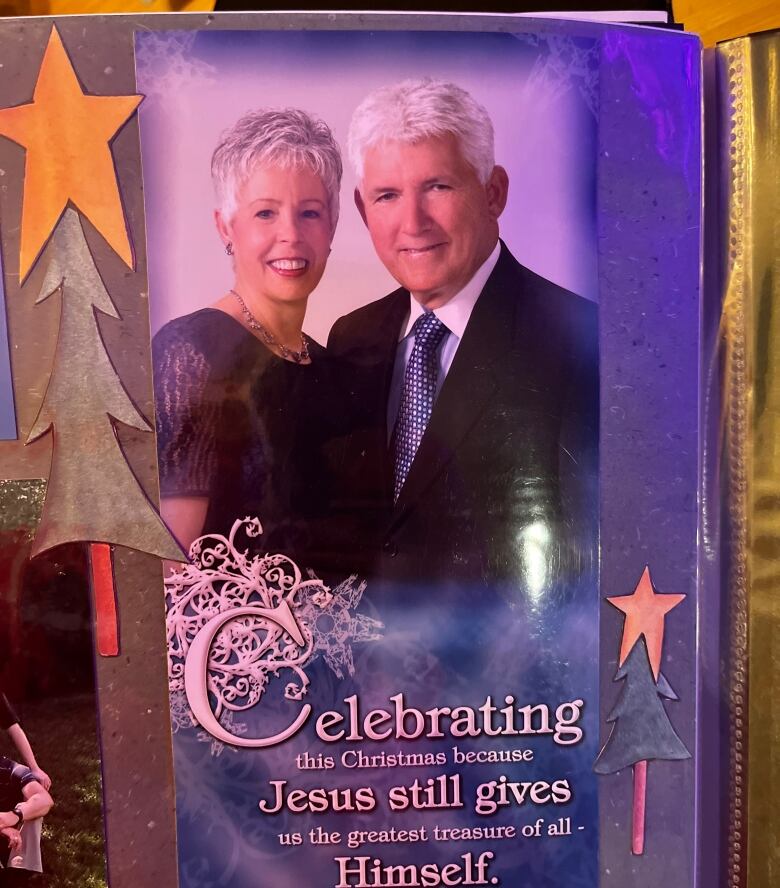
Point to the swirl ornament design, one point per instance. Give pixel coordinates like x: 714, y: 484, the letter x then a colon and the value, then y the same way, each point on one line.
x: 252, y: 648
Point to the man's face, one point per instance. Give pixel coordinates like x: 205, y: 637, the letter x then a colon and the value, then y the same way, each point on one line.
x: 432, y: 221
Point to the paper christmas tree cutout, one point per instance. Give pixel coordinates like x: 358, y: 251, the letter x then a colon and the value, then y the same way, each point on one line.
x: 641, y: 729
x: 92, y: 494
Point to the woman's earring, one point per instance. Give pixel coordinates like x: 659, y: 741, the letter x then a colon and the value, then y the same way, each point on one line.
x: 229, y: 248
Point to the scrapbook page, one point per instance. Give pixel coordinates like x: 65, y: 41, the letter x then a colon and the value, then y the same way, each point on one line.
x: 358, y: 361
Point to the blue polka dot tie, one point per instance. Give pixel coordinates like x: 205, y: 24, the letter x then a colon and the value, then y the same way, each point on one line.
x: 418, y: 394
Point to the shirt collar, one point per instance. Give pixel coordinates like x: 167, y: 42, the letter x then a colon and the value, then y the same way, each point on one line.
x: 455, y: 313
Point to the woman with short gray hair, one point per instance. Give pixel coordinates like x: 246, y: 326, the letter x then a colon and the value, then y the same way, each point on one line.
x: 235, y: 382
x: 285, y: 138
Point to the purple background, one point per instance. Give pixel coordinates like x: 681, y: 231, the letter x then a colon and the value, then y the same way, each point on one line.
x: 649, y: 202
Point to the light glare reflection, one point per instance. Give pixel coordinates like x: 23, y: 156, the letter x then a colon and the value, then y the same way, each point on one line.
x: 534, y: 542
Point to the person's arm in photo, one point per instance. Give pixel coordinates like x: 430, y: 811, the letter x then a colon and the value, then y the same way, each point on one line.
x: 13, y: 837
x: 36, y: 801
x: 185, y: 429
x: 26, y: 754
x: 9, y: 722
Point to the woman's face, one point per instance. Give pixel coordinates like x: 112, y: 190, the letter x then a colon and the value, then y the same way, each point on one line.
x: 281, y: 233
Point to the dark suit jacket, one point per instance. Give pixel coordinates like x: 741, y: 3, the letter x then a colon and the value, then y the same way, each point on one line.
x: 500, y: 501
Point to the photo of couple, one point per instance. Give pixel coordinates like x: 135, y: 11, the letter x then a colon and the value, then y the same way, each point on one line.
x: 439, y: 442
x: 237, y: 382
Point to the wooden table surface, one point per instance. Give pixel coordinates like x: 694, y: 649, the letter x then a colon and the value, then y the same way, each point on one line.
x: 722, y: 19
x: 713, y: 19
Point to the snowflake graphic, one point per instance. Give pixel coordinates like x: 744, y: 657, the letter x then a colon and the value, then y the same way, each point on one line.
x: 217, y: 746
x: 334, y: 628
x: 181, y: 714
x: 165, y: 64
x: 568, y: 63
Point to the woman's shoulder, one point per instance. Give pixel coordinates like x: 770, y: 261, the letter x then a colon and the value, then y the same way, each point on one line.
x: 208, y: 338
x: 207, y: 330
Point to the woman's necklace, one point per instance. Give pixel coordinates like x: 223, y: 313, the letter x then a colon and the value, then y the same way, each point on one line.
x: 269, y: 338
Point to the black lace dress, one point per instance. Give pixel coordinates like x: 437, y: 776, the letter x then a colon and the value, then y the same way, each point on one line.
x: 243, y: 427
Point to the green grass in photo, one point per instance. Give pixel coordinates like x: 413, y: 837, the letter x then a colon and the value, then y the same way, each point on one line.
x: 63, y: 734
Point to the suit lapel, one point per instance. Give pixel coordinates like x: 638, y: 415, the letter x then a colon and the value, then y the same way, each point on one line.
x: 471, y: 381
x: 382, y: 344
x: 398, y: 310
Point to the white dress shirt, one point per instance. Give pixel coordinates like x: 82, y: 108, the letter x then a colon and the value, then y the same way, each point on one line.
x: 454, y: 314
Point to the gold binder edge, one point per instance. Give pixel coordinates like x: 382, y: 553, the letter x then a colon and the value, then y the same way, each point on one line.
x: 763, y: 610
x: 739, y: 404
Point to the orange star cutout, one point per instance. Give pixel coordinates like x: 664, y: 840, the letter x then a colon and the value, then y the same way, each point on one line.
x: 66, y: 134
x: 645, y: 612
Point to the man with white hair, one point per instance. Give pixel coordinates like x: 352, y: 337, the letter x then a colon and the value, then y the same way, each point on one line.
x: 475, y: 467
